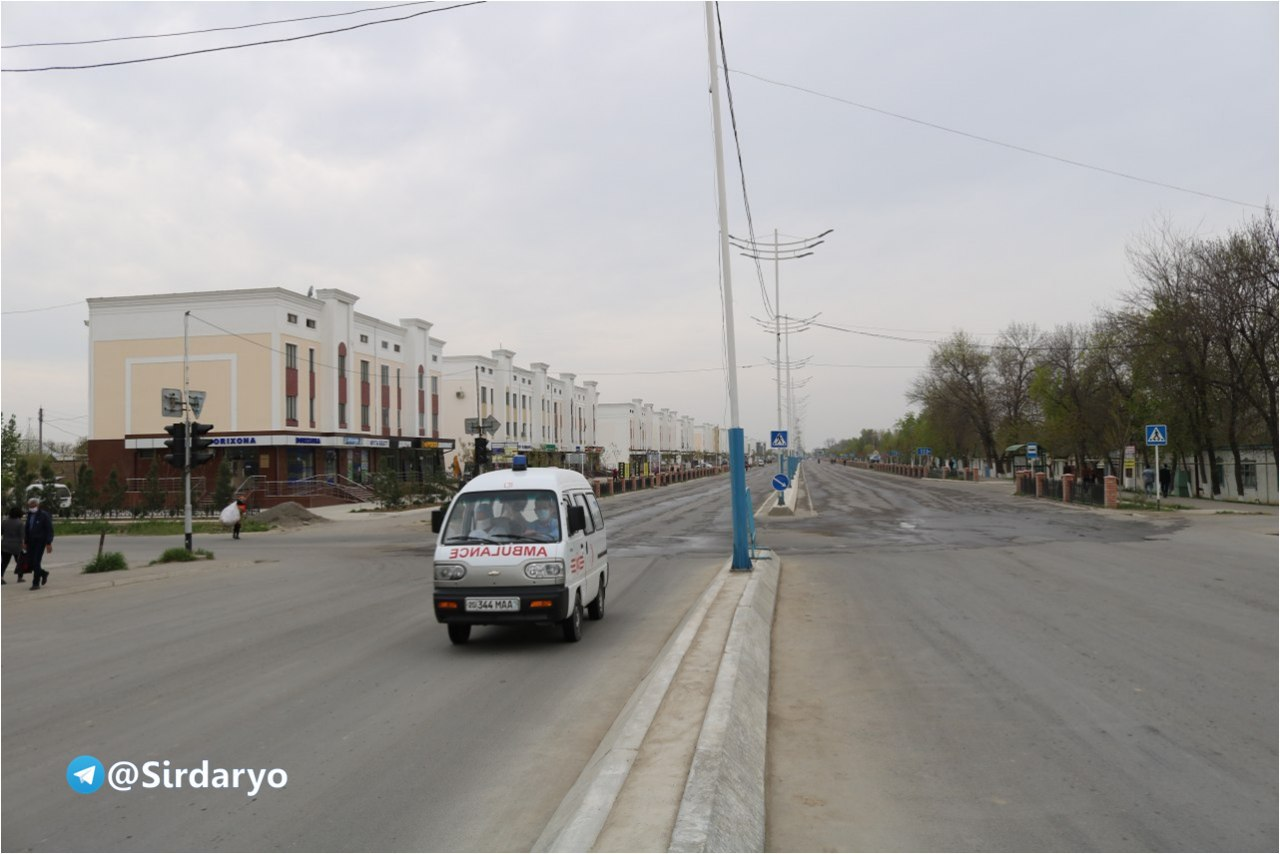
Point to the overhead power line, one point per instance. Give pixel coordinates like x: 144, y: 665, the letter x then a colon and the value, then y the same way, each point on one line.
x: 742, y: 172
x: 215, y: 29
x: 990, y: 141
x: 239, y: 46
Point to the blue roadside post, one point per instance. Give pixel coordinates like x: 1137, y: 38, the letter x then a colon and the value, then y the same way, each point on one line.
x: 741, y: 506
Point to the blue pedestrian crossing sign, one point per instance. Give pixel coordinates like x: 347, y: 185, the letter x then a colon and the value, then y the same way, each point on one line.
x: 1157, y: 434
x: 778, y: 439
x: 781, y: 482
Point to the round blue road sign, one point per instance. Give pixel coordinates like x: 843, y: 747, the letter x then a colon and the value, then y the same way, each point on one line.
x: 781, y: 482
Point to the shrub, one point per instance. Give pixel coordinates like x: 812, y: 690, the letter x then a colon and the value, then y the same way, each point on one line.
x: 180, y: 554
x: 107, y: 562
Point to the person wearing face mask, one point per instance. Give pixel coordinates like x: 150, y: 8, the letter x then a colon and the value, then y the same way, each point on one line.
x: 547, y: 523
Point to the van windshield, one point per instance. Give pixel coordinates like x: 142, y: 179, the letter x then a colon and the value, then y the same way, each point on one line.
x: 510, y: 516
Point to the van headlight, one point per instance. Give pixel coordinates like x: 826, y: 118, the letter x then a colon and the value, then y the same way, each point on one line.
x: 450, y: 572
x: 548, y: 569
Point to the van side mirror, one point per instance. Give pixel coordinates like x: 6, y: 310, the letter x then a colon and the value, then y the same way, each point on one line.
x: 437, y: 520
x: 577, y: 520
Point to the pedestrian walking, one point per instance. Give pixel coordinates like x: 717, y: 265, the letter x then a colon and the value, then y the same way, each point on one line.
x: 37, y: 536
x: 1149, y: 481
x: 243, y: 507
x: 11, y: 542
x: 1166, y: 480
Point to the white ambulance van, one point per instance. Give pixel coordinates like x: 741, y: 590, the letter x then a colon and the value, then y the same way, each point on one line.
x: 520, y: 545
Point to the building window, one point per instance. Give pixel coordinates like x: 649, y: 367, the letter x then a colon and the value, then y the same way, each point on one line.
x: 311, y: 324
x: 397, y: 348
x: 292, y: 318
x: 291, y: 409
x: 291, y: 356
x: 384, y: 345
x: 364, y: 371
x: 1249, y: 474
x: 386, y: 375
x: 364, y: 416
x: 364, y: 339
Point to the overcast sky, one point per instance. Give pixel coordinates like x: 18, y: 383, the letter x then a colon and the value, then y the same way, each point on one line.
x: 540, y: 177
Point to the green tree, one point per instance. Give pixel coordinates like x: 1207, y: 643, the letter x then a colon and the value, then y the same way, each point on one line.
x: 153, y: 495
x: 10, y: 451
x: 222, y: 490
x: 111, y: 501
x: 85, y: 494
x: 387, y: 488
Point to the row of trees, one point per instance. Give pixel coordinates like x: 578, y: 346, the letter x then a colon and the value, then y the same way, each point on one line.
x: 1192, y: 345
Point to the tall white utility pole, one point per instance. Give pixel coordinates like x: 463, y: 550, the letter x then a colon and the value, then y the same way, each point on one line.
x: 737, y: 462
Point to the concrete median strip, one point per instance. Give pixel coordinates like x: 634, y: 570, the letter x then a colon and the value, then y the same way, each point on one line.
x: 722, y: 807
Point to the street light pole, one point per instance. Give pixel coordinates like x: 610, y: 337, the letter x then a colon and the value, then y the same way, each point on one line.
x: 737, y: 464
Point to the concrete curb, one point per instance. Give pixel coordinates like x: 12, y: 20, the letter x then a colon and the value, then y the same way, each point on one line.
x: 723, y: 808
x: 577, y: 822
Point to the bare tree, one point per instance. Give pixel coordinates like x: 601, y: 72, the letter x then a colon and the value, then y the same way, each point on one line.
x: 1014, y: 360
x: 957, y: 392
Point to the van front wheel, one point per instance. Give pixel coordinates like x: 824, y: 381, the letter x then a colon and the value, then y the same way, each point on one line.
x: 459, y: 633
x: 572, y: 624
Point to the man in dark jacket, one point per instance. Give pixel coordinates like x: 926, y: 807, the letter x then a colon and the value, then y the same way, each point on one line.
x: 37, y: 536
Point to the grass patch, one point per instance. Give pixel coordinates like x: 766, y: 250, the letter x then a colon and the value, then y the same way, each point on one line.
x: 178, y: 554
x: 106, y: 562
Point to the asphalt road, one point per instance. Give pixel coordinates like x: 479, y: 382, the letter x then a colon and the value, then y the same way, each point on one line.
x: 315, y: 652
x: 958, y: 669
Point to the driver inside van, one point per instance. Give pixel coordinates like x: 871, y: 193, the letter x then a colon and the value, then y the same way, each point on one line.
x: 483, y: 522
x: 547, y: 523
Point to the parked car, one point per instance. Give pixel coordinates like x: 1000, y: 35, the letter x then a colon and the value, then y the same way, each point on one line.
x: 60, y: 490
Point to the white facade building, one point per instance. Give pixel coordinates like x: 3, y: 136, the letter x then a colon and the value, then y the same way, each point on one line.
x: 533, y: 410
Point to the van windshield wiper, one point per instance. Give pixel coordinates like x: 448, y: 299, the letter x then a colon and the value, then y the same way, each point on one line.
x: 466, y: 541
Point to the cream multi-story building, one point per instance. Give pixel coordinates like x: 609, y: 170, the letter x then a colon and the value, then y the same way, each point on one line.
x: 535, y: 412
x: 296, y: 387
x: 305, y: 388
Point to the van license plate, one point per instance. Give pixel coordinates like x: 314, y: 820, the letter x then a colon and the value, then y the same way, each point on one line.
x: 492, y: 604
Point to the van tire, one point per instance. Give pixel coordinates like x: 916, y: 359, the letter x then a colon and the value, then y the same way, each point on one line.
x: 459, y: 633
x: 572, y: 624
x: 595, y: 608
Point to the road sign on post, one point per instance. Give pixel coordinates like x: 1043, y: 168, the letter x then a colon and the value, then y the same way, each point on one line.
x: 1157, y: 437
x: 170, y: 403
x: 778, y: 440
x: 196, y: 399
x: 781, y: 482
x: 490, y: 424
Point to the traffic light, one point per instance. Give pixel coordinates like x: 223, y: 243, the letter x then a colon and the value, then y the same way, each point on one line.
x: 200, y: 453
x: 176, y: 444
x: 482, y: 450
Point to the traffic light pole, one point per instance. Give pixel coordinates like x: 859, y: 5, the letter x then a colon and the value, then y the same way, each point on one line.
x: 186, y: 441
